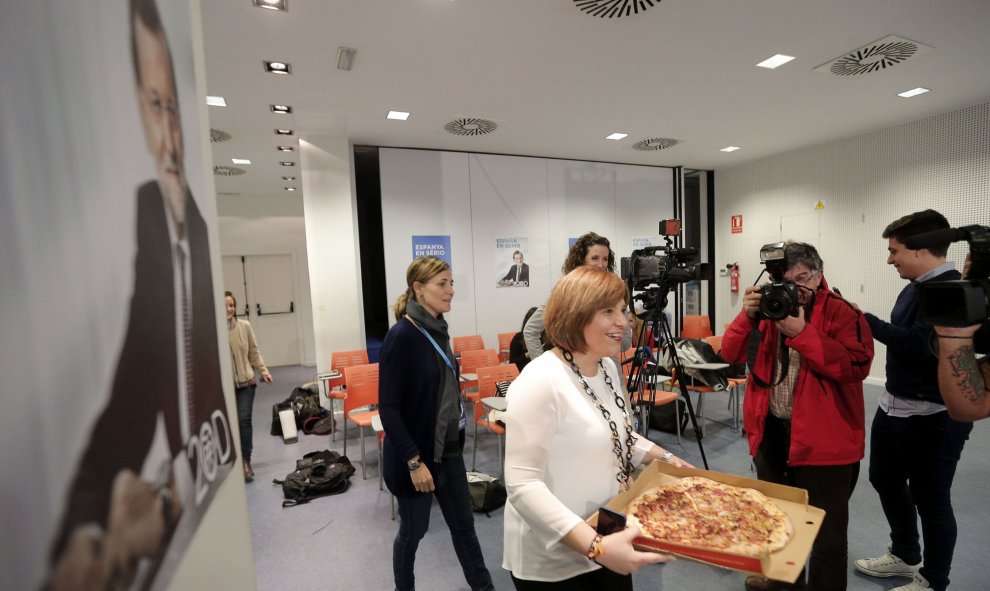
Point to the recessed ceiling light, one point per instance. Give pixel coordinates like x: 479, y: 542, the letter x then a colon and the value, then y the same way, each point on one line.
x: 729, y: 149
x: 285, y: 163
x: 345, y: 58
x: 240, y: 161
x: 281, y: 109
x: 290, y: 188
x: 616, y: 136
x: 399, y: 115
x: 775, y: 61
x: 913, y: 92
x: 278, y: 67
x: 282, y: 5
x: 216, y: 101
x: 283, y: 132
x: 288, y: 178
x: 286, y: 148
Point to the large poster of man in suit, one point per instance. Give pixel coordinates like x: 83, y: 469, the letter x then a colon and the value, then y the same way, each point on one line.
x: 163, y: 443
x: 510, y: 260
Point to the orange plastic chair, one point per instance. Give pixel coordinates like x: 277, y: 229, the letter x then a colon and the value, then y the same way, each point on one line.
x: 335, y: 387
x: 487, y: 378
x: 696, y: 327
x: 470, y: 362
x: 362, y: 390
x: 469, y: 343
x: 504, y: 341
x: 734, y: 383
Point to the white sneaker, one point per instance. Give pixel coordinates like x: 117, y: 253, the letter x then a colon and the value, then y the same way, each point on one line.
x: 887, y: 565
x: 918, y: 584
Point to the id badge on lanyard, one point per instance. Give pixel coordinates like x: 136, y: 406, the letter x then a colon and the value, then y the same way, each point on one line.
x: 462, y: 420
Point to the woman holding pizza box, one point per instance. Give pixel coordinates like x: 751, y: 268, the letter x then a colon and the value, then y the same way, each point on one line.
x: 562, y: 461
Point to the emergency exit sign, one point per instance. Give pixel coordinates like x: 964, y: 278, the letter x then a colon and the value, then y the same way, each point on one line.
x: 737, y: 224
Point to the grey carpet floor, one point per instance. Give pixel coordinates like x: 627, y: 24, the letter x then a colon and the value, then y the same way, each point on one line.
x: 345, y: 541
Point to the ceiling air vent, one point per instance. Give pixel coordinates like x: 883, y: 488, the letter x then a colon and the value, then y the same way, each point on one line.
x: 471, y: 126
x: 217, y: 136
x: 228, y: 171
x: 614, y: 8
x: 655, y: 143
x: 879, y: 55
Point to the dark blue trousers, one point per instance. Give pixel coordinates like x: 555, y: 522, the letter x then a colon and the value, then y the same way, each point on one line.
x: 245, y: 406
x: 912, y: 464
x: 450, y: 480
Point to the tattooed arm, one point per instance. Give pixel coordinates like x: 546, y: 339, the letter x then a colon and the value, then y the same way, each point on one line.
x: 963, y: 379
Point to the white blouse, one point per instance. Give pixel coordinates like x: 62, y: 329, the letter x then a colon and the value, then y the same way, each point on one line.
x: 560, y: 465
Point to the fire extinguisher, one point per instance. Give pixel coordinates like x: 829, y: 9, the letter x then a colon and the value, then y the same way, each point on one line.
x: 734, y: 277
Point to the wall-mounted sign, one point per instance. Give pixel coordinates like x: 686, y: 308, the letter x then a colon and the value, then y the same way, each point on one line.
x: 431, y: 246
x: 737, y: 224
x: 510, y: 261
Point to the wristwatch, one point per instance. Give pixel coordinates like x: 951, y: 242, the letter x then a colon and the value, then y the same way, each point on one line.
x: 413, y: 465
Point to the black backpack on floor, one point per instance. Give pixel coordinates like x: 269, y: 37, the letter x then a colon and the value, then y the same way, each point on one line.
x: 487, y: 493
x: 317, y: 474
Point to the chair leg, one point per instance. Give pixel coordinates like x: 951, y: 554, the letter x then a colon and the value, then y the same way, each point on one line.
x: 364, y: 461
x: 501, y: 460
x: 345, y: 436
x: 474, y: 454
x: 379, y: 463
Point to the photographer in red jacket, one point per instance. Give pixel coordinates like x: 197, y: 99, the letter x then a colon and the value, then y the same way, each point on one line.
x: 803, y: 410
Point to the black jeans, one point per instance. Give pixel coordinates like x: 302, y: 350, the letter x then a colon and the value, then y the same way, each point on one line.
x: 829, y: 488
x: 912, y: 464
x: 245, y: 405
x: 451, y: 491
x: 597, y: 580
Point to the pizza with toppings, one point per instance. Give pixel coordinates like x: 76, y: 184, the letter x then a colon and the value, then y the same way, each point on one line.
x: 701, y: 512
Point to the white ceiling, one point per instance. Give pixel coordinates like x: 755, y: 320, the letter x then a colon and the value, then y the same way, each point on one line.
x: 557, y: 80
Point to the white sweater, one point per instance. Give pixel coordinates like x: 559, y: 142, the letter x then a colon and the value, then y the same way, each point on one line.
x: 559, y: 465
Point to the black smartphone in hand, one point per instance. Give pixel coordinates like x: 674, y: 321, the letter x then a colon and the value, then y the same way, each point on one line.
x: 610, y: 521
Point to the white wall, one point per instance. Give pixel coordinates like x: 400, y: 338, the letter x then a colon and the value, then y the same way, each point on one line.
x: 476, y: 198
x: 276, y: 235
x: 332, y: 244
x: 864, y: 182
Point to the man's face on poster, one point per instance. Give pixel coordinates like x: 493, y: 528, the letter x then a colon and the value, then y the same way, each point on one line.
x: 160, y: 116
x: 517, y: 258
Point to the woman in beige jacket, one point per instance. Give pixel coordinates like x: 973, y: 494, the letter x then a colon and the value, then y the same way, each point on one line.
x: 246, y: 357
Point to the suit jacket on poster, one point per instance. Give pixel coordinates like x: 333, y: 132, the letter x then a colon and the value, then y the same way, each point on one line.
x: 146, y: 380
x: 523, y: 274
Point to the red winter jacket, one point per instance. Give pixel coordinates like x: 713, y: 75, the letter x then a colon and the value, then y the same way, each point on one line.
x: 836, y: 347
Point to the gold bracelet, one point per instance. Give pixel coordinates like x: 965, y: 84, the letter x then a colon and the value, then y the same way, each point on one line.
x: 596, y: 550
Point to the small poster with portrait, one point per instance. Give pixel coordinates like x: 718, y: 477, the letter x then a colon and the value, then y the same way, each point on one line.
x: 510, y: 261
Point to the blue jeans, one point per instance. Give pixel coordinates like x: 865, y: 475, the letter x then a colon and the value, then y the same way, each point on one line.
x: 245, y: 405
x: 912, y: 464
x: 451, y: 491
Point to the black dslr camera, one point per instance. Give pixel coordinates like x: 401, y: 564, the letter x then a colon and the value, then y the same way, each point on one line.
x: 957, y: 303
x: 780, y: 298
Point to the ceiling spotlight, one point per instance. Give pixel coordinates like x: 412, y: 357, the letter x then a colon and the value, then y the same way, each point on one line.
x: 289, y: 178
x: 281, y: 109
x: 290, y: 188
x: 240, y: 161
x: 286, y: 148
x: 913, y: 92
x: 216, y: 101
x: 278, y: 67
x: 286, y: 163
x: 398, y: 115
x: 283, y: 132
x: 345, y: 58
x: 729, y: 149
x: 616, y: 136
x: 282, y: 5
x: 775, y: 61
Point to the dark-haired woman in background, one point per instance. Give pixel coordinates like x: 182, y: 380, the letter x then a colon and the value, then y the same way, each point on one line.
x: 423, y: 417
x: 245, y: 359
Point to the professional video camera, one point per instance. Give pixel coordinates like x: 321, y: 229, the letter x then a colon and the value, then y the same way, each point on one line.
x: 957, y: 303
x: 780, y: 297
x: 655, y: 270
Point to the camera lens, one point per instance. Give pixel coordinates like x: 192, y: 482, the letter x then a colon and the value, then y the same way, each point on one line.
x: 779, y: 300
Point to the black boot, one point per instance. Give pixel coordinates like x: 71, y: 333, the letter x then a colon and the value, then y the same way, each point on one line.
x: 761, y: 583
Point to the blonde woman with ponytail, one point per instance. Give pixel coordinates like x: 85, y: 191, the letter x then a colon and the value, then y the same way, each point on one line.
x: 423, y: 416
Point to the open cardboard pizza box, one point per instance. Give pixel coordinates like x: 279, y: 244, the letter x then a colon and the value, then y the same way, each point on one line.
x: 783, y: 565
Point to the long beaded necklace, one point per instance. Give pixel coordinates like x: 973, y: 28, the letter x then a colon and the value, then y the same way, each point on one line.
x: 624, y: 463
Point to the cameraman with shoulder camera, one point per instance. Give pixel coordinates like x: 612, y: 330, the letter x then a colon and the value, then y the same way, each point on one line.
x: 803, y: 409
x: 914, y: 444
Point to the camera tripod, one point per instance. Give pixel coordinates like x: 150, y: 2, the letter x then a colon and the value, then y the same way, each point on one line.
x: 641, y: 379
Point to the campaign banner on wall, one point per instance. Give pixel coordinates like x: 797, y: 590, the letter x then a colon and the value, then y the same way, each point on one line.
x: 122, y: 428
x: 510, y: 261
x: 431, y: 246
